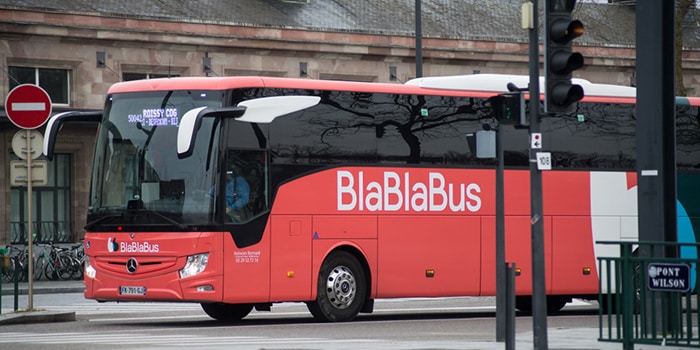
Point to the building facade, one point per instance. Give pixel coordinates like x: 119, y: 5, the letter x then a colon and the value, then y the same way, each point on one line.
x: 77, y: 49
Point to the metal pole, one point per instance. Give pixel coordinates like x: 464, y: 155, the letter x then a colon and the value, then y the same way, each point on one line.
x: 500, y: 242
x: 628, y: 298
x: 419, y: 41
x: 510, y: 302
x: 656, y: 133
x: 30, y: 238
x: 15, y: 280
x: 4, y: 259
x: 539, y: 297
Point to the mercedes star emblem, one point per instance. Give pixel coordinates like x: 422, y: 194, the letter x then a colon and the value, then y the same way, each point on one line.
x: 132, y: 265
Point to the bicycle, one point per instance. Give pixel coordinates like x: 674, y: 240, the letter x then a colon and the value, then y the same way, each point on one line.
x: 60, y: 264
x: 17, y: 267
x: 78, y: 256
x: 41, y: 260
x: 7, y: 267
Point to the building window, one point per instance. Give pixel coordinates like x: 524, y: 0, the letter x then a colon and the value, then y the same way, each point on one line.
x: 139, y: 76
x: 51, y: 206
x: 55, y: 81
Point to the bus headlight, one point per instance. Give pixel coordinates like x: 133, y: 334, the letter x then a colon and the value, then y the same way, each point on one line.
x: 195, y: 265
x: 89, y: 270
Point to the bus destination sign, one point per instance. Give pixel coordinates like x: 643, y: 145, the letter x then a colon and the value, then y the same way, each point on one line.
x: 667, y: 277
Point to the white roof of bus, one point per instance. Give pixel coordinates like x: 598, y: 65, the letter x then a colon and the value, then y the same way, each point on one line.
x: 498, y: 82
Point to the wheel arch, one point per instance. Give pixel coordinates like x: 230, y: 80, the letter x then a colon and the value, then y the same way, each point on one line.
x: 358, y: 253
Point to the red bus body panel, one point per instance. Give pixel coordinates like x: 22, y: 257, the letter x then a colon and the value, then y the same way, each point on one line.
x: 437, y: 242
x: 459, y: 246
x: 160, y: 256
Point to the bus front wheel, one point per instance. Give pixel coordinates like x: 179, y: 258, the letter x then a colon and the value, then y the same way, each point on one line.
x: 227, y: 312
x: 342, y: 289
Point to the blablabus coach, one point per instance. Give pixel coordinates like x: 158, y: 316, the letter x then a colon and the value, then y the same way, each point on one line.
x: 241, y: 192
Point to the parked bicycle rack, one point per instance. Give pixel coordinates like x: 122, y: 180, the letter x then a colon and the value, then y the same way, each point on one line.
x: 649, y: 300
x: 5, y: 263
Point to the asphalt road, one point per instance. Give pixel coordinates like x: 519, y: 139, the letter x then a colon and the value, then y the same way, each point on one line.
x: 440, y: 323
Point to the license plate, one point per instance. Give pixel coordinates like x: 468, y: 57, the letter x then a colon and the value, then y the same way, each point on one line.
x: 131, y: 290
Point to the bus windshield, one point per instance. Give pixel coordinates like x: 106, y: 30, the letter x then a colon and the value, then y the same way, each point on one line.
x: 138, y: 179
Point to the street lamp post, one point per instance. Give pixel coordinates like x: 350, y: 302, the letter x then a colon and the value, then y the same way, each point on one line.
x: 419, y: 41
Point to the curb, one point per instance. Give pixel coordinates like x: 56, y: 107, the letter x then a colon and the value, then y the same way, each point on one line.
x: 36, y: 317
x: 42, y: 290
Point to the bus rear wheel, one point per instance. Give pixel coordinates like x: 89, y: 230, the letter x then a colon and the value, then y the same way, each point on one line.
x: 227, y: 312
x: 342, y: 289
x: 554, y: 303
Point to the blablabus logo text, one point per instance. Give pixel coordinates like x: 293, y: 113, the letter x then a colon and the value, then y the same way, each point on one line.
x: 400, y: 193
x: 138, y: 247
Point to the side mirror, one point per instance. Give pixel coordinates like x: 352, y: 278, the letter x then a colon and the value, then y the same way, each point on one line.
x: 259, y: 110
x: 191, y: 121
x: 56, y: 122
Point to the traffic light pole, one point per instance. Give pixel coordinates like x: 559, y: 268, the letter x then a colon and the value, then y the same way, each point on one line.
x: 419, y: 40
x: 539, y: 298
x: 501, y: 328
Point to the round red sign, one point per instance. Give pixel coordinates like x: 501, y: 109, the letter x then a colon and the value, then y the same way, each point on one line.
x: 28, y: 106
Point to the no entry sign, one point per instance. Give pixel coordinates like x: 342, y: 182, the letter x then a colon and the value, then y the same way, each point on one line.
x: 28, y: 106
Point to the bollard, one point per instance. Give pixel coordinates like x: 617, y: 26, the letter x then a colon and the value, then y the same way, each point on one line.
x: 16, y: 280
x: 510, y: 306
x: 4, y: 259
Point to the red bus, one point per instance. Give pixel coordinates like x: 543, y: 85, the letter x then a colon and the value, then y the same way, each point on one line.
x: 241, y: 192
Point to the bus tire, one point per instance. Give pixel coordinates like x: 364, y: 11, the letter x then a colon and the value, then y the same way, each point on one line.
x: 554, y: 303
x: 342, y: 289
x: 227, y: 312
x: 523, y: 303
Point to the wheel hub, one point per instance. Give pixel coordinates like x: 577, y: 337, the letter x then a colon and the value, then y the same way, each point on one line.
x: 341, y: 287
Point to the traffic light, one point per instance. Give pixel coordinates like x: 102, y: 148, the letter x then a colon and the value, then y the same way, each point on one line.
x: 559, y: 61
x: 509, y: 108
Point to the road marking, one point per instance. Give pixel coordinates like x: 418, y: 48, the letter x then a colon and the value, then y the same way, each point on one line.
x: 161, y: 340
x: 152, y: 318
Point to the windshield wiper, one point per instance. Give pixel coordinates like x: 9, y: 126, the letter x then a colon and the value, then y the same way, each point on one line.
x: 136, y: 206
x: 90, y: 225
x: 133, y: 207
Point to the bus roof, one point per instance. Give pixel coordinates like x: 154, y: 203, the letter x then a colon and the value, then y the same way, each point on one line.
x: 223, y: 83
x: 476, y: 85
x: 497, y: 83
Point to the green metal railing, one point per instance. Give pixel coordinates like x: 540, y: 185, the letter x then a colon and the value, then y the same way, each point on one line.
x: 648, y: 300
x: 44, y: 232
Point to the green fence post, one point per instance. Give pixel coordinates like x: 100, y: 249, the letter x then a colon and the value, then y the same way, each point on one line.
x: 627, y: 296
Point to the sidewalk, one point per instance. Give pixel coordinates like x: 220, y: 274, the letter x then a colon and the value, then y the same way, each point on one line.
x: 557, y: 338
x: 44, y: 287
x: 38, y: 287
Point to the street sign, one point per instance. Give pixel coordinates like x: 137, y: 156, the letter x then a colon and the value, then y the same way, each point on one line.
x: 536, y: 140
x: 19, y: 144
x: 486, y: 144
x: 667, y: 277
x: 544, y: 160
x: 20, y: 177
x: 28, y: 106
